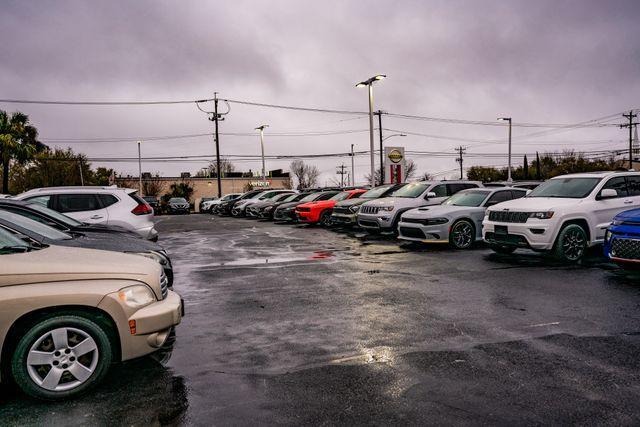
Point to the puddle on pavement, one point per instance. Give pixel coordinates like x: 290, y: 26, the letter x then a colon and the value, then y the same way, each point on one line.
x: 302, y: 257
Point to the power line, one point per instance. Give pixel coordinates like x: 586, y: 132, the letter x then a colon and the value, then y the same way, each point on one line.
x: 41, y: 102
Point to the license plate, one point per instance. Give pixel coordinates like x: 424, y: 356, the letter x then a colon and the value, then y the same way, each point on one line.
x: 501, y: 230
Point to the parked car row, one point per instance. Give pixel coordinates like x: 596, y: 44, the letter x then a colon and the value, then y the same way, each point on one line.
x: 82, y: 286
x: 562, y: 216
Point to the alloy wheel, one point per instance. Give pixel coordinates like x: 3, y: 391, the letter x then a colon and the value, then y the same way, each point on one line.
x: 573, y: 244
x: 462, y: 235
x: 62, y: 359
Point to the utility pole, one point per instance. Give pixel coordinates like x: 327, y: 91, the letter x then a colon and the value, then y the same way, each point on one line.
x: 630, y: 125
x: 508, y: 119
x: 353, y: 172
x: 369, y: 85
x: 461, y: 151
x: 261, y: 129
x: 216, y: 117
x: 80, y: 167
x: 379, y: 114
x: 342, y: 172
x: 139, y: 170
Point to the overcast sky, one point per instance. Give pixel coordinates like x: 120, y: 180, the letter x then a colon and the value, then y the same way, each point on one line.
x: 539, y: 62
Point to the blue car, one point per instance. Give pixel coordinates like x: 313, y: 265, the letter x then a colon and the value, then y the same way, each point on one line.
x: 622, y: 239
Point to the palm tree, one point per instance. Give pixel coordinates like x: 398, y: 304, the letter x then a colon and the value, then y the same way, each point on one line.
x: 18, y: 142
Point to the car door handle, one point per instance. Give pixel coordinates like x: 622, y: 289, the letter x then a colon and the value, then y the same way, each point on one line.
x: 96, y: 217
x: 628, y: 202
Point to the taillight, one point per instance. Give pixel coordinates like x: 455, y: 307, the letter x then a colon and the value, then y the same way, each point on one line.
x: 142, y: 209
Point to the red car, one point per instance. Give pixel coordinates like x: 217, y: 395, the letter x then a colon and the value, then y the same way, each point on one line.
x: 320, y: 211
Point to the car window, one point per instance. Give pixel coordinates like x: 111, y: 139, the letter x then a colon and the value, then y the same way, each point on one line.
x: 34, y: 216
x: 517, y: 194
x: 8, y: 240
x: 619, y: 184
x: 467, y: 198
x: 77, y: 203
x: 633, y: 185
x: 374, y: 193
x: 571, y: 188
x: 108, y: 199
x: 34, y: 226
x: 499, y: 197
x: 440, y: 190
x: 43, y: 200
x: 341, y: 196
x: 70, y: 222
x: 326, y: 195
x: 412, y: 190
x: 178, y: 200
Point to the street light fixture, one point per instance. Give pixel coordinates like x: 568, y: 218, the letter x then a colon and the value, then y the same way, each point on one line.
x: 369, y: 84
x: 382, y: 155
x: 261, y: 129
x: 508, y: 119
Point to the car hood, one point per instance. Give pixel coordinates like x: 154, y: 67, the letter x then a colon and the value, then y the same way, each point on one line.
x: 179, y: 205
x: 398, y: 202
x: 318, y: 204
x: 102, y: 228
x: 535, y: 204
x: 351, y: 202
x: 436, y: 211
x: 108, y: 242
x: 55, y: 264
x: 631, y: 215
x: 290, y: 205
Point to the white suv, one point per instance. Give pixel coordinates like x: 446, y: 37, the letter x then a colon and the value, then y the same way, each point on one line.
x: 98, y: 205
x: 564, y: 215
x: 384, y: 214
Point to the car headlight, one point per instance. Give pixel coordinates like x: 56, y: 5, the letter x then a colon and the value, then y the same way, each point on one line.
x: 435, y: 221
x: 386, y: 208
x: 541, y: 215
x: 354, y: 209
x: 617, y: 222
x: 607, y: 236
x: 288, y: 209
x: 156, y: 256
x: 136, y: 296
x: 268, y: 209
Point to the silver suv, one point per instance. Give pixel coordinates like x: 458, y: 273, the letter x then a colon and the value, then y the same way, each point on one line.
x: 384, y: 214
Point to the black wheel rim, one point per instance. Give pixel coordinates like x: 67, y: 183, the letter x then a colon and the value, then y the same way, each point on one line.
x: 573, y: 244
x: 462, y: 235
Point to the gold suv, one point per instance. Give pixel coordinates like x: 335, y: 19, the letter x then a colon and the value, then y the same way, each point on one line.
x: 66, y: 314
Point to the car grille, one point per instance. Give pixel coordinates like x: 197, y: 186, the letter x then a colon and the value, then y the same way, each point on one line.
x: 164, y: 285
x: 414, y: 220
x: 369, y: 209
x: 341, y: 210
x: 303, y: 209
x: 366, y: 223
x: 508, y: 216
x: 414, y: 233
x: 625, y: 248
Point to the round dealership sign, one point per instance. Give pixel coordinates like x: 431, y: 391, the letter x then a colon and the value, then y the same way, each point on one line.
x: 395, y: 156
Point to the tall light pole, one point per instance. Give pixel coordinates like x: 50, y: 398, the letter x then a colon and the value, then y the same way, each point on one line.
x: 261, y: 129
x: 353, y: 174
x: 508, y: 119
x: 139, y: 170
x: 382, y: 156
x: 369, y: 84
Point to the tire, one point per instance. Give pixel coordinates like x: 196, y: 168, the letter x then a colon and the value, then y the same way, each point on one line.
x: 462, y: 235
x: 73, y: 372
x: 325, y: 219
x: 505, y: 250
x: 571, y: 244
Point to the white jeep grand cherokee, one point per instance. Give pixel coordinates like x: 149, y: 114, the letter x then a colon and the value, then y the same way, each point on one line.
x: 564, y: 215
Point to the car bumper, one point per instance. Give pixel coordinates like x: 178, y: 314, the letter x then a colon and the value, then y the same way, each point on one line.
x: 379, y: 221
x: 535, y: 235
x: 306, y: 217
x: 148, y: 232
x: 344, y: 219
x: 284, y: 216
x: 423, y: 233
x: 622, y: 244
x: 153, y: 323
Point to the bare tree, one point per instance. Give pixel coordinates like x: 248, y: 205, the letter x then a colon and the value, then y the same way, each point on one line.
x: 153, y: 186
x: 212, y: 169
x: 306, y: 175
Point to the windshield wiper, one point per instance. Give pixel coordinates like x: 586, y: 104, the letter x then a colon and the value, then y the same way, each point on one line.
x: 16, y: 248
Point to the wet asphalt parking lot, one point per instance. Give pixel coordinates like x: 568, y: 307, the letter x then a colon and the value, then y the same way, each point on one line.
x: 291, y: 324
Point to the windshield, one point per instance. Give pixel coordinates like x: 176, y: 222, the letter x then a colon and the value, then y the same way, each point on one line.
x: 177, y: 200
x: 411, y: 190
x: 467, y: 198
x: 34, y: 226
x: 341, y: 196
x: 229, y: 197
x: 374, y: 193
x: 289, y: 198
x: 69, y: 222
x: 311, y: 197
x: 570, y: 188
x: 266, y: 196
x: 8, y: 240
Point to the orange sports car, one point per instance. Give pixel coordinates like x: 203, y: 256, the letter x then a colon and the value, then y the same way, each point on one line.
x: 320, y: 211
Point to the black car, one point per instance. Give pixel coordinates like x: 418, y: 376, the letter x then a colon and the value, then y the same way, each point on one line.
x: 55, y: 219
x: 42, y: 234
x: 153, y: 202
x: 178, y: 205
x: 269, y: 207
x: 224, y: 208
x: 286, y: 212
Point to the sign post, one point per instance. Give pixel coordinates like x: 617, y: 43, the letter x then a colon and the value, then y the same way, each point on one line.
x: 394, y: 165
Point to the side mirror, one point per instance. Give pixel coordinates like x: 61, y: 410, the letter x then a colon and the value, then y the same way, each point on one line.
x: 430, y: 195
x: 490, y: 203
x: 608, y: 193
